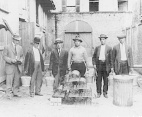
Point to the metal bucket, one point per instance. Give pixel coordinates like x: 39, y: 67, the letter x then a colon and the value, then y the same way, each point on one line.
x: 26, y: 81
x: 123, y: 90
x: 49, y: 83
x: 135, y: 78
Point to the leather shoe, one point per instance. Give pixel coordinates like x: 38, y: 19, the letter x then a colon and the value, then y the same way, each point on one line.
x: 16, y: 95
x: 31, y: 95
x: 105, y: 95
x: 98, y: 95
x: 39, y: 94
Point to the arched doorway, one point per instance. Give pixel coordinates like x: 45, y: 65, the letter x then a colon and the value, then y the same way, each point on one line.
x: 81, y: 28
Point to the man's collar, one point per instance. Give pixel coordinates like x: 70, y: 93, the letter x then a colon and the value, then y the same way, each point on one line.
x: 77, y: 46
x: 13, y: 44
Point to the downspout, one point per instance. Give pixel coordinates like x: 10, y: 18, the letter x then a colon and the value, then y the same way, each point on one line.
x: 55, y: 26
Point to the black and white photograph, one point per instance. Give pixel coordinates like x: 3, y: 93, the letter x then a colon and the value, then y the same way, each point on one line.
x: 70, y: 58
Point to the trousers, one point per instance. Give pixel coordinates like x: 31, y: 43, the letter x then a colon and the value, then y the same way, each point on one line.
x: 102, y: 74
x: 13, y: 81
x: 36, y: 79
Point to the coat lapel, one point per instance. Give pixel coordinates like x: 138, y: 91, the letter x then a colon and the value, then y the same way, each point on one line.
x: 106, y: 47
x: 32, y: 52
x: 99, y: 48
x: 126, y: 50
x: 12, y: 48
x: 61, y: 53
x: 119, y: 49
x: 56, y: 53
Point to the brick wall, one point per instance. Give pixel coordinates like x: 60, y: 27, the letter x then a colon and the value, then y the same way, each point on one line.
x: 109, y: 23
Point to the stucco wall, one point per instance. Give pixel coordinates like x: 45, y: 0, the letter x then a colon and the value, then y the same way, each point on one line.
x: 109, y: 23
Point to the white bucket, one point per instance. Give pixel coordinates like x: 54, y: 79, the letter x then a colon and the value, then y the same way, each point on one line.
x: 26, y: 81
x: 49, y: 81
x: 135, y: 78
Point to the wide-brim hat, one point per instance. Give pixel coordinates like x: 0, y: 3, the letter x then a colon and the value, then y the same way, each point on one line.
x: 58, y: 40
x: 77, y: 38
x: 103, y: 36
x: 37, y: 40
x: 16, y: 37
x: 121, y: 36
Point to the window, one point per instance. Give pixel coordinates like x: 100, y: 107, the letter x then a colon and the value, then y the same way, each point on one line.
x: 71, y: 5
x: 77, y: 5
x: 122, y: 5
x: 64, y: 5
x: 93, y: 5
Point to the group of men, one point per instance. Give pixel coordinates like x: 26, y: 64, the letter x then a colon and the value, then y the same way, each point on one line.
x: 105, y: 60
x: 14, y: 61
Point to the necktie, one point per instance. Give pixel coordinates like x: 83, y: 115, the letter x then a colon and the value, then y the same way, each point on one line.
x: 59, y: 52
x: 15, y: 50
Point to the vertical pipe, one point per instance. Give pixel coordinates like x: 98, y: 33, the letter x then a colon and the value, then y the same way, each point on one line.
x: 55, y: 25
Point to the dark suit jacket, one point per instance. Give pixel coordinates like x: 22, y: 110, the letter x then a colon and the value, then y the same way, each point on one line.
x: 30, y: 61
x: 117, y: 57
x: 108, y: 57
x: 58, y: 61
x: 9, y: 54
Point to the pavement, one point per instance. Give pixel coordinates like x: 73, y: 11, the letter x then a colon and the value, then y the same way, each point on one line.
x: 39, y: 106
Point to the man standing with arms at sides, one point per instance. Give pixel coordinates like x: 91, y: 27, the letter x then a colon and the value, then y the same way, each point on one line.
x: 58, y: 63
x: 122, y: 57
x: 13, y: 56
x: 77, y: 59
x: 102, y: 62
x: 34, y: 66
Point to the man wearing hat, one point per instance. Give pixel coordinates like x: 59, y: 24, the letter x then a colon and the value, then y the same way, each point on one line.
x: 34, y: 66
x: 13, y: 56
x: 58, y: 63
x: 102, y: 61
x: 77, y: 59
x: 122, y: 56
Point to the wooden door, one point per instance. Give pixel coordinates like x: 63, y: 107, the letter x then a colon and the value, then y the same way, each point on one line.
x: 27, y: 32
x: 87, y: 41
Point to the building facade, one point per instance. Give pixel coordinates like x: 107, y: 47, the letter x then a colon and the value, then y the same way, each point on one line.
x: 28, y: 18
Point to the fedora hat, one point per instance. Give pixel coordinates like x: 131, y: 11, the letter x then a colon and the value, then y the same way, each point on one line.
x: 37, y: 40
x: 58, y: 40
x: 121, y: 36
x: 103, y: 36
x: 16, y: 37
x: 77, y: 38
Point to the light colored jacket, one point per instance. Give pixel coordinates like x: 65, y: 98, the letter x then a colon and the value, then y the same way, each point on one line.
x: 9, y: 55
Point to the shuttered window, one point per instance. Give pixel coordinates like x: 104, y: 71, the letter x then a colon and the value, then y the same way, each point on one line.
x: 122, y: 5
x: 71, y: 5
x: 77, y: 5
x: 93, y: 5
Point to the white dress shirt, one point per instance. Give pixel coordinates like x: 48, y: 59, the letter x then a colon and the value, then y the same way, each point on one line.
x: 123, y: 52
x: 59, y: 51
x: 102, y: 53
x: 36, y: 54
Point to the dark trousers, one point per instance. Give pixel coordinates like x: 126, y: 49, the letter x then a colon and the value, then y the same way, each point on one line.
x: 80, y: 67
x: 36, y: 80
x: 124, y: 69
x: 102, y: 74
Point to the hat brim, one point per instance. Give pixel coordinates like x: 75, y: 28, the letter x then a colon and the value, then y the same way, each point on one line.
x: 58, y: 42
x: 77, y: 39
x: 121, y: 37
x: 18, y: 39
x: 103, y: 37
